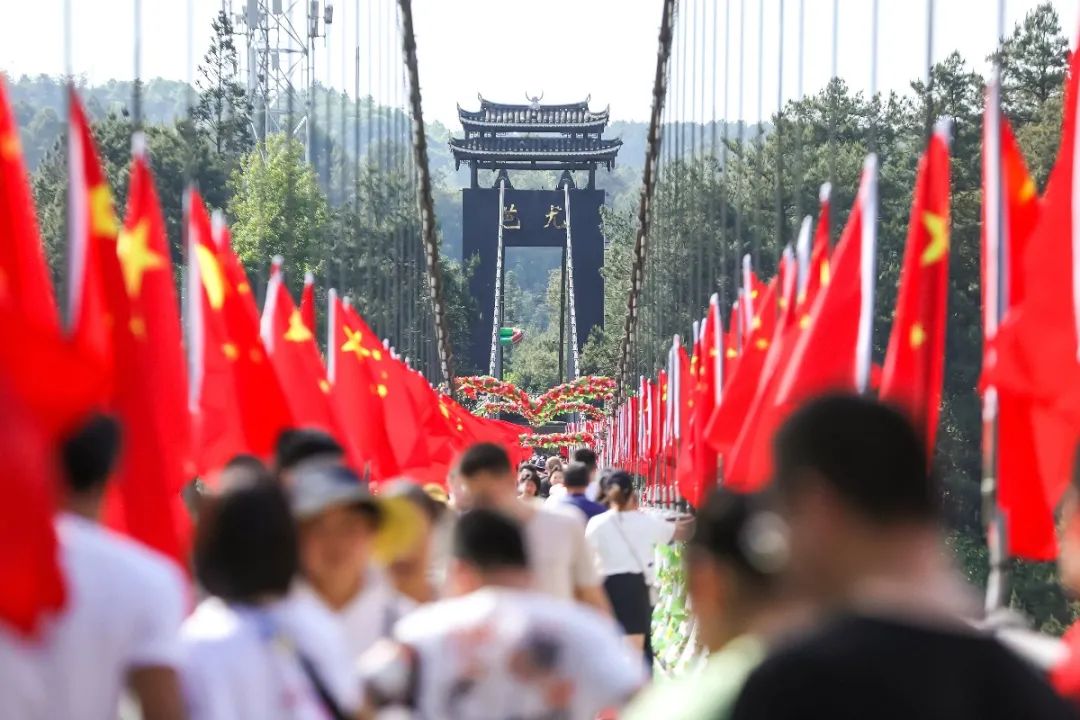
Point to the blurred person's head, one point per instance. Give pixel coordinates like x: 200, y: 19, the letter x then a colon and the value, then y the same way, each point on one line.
x: 528, y: 482
x: 732, y: 560
x: 856, y: 490
x: 486, y: 475
x: 619, y: 490
x: 246, y: 545
x: 1069, y: 545
x: 298, y: 448
x: 338, y: 520
x: 88, y: 457
x: 404, y: 545
x: 552, y: 464
x: 557, y: 477
x: 586, y: 456
x: 487, y: 550
x: 577, y: 477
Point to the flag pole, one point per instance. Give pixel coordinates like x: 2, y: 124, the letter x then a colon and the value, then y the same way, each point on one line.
x: 997, y: 584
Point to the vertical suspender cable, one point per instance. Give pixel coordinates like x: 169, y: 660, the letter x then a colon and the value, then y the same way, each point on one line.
x: 574, y: 360
x: 694, y: 188
x: 725, y: 192
x: 136, y: 88
x: 714, y: 195
x: 740, y: 241
x: 997, y: 585
x: 496, y: 312
x: 781, y: 230
x: 759, y: 140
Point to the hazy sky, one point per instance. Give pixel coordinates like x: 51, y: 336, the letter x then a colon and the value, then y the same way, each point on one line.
x: 564, y: 48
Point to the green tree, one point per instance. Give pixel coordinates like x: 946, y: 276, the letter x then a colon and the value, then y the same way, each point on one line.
x: 1033, y: 62
x: 277, y: 209
x: 224, y: 109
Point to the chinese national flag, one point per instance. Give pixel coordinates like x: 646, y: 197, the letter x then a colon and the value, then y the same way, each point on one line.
x: 149, y: 391
x: 295, y: 357
x: 915, y: 360
x: 24, y: 278
x: 1030, y: 362
x: 833, y: 351
x: 307, y: 301
x: 235, y: 399
x: 37, y: 354
x: 755, y: 432
x: 723, y: 427
x: 359, y: 374
x: 29, y: 552
x: 750, y: 465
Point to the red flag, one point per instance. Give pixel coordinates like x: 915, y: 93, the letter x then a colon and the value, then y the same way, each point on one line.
x: 727, y: 419
x: 23, y: 274
x: 1036, y: 433
x: 915, y: 359
x: 234, y: 398
x: 358, y: 371
x: 149, y: 392
x: 29, y: 552
x: 833, y: 353
x: 307, y: 301
x: 295, y: 357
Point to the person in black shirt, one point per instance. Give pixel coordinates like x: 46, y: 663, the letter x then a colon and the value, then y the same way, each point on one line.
x: 862, y: 508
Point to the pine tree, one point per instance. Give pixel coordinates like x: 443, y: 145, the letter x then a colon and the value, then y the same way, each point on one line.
x: 1033, y: 62
x: 224, y: 109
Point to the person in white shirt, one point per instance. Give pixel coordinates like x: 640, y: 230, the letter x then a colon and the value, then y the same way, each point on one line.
x: 499, y: 649
x: 118, y: 630
x: 250, y: 651
x: 338, y: 520
x: 561, y: 562
x: 625, y: 541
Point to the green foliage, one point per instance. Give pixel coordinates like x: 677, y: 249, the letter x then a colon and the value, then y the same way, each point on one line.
x: 224, y: 110
x: 277, y: 209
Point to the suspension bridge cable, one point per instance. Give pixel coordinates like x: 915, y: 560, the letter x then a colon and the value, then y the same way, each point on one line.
x: 424, y: 197
x: 759, y: 141
x: 781, y: 230
x: 652, y: 153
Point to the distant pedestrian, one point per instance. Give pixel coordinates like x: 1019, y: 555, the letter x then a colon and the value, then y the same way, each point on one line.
x: 576, y: 479
x: 499, y: 649
x: 625, y: 541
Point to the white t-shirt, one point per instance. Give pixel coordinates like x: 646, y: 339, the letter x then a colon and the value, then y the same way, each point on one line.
x: 123, y: 611
x: 559, y: 557
x: 243, y: 662
x: 624, y: 542
x: 500, y: 653
x: 592, y: 491
x: 370, y: 615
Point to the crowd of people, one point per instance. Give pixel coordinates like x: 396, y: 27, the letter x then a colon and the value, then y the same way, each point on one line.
x: 527, y: 593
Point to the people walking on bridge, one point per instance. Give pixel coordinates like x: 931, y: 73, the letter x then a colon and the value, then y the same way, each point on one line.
x: 561, y: 562
x: 576, y: 480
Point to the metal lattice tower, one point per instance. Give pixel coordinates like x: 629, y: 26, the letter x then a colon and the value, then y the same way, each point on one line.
x: 278, y: 61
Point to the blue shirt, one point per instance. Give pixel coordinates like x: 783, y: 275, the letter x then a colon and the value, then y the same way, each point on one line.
x: 585, y: 505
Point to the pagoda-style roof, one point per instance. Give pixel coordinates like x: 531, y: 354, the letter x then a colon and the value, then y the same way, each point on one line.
x: 533, y: 117
x: 575, y: 150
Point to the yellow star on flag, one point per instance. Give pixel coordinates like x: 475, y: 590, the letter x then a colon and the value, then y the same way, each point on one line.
x: 1028, y: 190
x: 102, y: 212
x: 354, y: 343
x: 917, y: 336
x: 298, y: 331
x: 230, y: 351
x: 136, y: 257
x: 324, y: 386
x: 939, y: 239
x: 213, y: 279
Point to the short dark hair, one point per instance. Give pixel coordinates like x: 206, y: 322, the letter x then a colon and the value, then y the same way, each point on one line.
x: 246, y: 542
x: 585, y: 455
x: 728, y: 528
x: 866, y: 451
x: 489, y: 540
x: 296, y: 445
x: 484, y: 457
x: 577, y: 475
x: 89, y: 453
